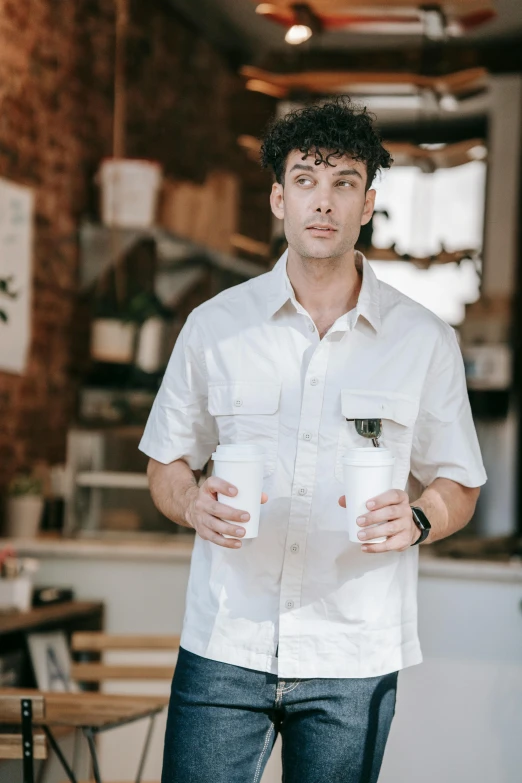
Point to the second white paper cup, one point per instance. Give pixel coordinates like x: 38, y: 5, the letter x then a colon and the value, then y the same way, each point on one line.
x: 367, y: 472
x: 242, y: 465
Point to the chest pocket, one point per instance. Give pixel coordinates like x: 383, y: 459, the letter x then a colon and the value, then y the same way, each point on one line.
x: 248, y: 412
x: 398, y: 413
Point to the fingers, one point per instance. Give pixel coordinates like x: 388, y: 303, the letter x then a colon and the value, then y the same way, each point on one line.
x: 393, y: 544
x: 220, y: 510
x: 392, y: 497
x: 206, y: 504
x: 215, y: 538
x: 342, y: 501
x: 398, y: 534
x: 213, y: 519
x: 213, y: 485
x: 220, y: 526
x: 381, y: 515
x: 387, y: 529
x: 212, y: 529
x: 376, y: 548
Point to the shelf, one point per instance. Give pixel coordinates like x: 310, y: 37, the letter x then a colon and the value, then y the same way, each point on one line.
x: 106, y: 479
x: 102, y: 247
x: 389, y: 254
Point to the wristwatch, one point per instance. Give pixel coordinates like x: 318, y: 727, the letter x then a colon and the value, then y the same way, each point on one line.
x: 422, y: 522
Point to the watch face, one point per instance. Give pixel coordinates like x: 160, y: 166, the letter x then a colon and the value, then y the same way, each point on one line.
x: 420, y: 518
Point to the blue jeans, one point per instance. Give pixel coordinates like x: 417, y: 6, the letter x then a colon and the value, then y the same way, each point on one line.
x: 223, y: 721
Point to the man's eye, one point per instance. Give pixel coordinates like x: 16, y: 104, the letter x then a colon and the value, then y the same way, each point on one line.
x: 302, y: 180
x: 344, y: 182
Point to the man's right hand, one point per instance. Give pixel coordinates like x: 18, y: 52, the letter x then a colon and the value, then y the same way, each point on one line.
x: 206, y: 514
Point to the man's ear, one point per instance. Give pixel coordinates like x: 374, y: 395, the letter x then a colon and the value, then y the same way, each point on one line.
x: 277, y: 201
x: 369, y: 206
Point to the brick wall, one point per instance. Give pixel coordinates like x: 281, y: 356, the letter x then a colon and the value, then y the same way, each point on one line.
x: 55, y: 125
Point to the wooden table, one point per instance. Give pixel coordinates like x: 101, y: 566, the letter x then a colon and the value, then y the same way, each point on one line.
x: 92, y: 713
x: 79, y: 613
x: 68, y: 617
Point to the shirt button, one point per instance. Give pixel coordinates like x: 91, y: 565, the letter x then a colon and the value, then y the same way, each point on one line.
x: 294, y: 548
x: 289, y: 604
x: 311, y: 327
x: 302, y: 490
x: 238, y: 403
x: 314, y: 381
x: 307, y: 436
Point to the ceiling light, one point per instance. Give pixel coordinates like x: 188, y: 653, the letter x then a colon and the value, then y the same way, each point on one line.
x: 433, y: 22
x: 298, y: 34
x: 264, y: 8
x: 478, y: 152
x: 448, y: 103
x: 454, y: 29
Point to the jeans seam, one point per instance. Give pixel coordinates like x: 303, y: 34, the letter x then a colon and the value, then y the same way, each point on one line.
x: 263, y: 751
x: 291, y: 688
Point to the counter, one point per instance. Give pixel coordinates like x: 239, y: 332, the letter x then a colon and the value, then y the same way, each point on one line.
x: 178, y: 549
x: 458, y: 714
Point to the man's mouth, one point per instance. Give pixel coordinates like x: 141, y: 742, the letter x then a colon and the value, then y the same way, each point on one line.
x: 322, y: 229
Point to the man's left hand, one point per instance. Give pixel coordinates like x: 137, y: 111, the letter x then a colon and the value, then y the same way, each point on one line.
x: 391, y: 513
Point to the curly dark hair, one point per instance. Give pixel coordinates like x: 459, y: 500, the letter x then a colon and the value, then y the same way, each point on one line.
x: 338, y: 127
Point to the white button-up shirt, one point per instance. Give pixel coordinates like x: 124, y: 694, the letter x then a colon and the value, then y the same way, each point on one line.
x: 301, y: 600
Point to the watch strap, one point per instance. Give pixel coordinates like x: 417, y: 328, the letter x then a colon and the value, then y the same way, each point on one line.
x: 422, y: 523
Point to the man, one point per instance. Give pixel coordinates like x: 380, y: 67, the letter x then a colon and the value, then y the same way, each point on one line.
x: 299, y: 631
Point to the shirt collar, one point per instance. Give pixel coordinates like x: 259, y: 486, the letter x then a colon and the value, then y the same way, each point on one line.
x: 367, y: 304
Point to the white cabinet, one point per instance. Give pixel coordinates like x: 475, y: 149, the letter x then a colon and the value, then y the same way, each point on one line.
x: 459, y: 714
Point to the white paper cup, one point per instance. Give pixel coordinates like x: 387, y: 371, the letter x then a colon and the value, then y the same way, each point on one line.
x: 367, y: 472
x: 242, y: 465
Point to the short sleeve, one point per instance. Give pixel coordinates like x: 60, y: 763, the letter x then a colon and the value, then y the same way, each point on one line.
x: 445, y: 443
x: 179, y: 425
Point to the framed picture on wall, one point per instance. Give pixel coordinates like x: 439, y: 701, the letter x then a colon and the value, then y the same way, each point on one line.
x: 51, y: 661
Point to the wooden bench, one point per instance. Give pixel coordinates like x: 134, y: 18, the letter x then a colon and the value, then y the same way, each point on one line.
x: 24, y: 745
x: 90, y: 644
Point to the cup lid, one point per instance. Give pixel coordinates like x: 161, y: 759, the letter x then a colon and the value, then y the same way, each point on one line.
x: 249, y: 452
x: 368, y: 456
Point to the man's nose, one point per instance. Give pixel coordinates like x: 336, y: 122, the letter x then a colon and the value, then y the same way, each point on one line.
x: 324, y: 202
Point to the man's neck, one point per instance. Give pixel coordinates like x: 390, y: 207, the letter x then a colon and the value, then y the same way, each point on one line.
x: 326, y: 288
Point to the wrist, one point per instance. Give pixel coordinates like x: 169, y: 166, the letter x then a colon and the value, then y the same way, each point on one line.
x: 189, y: 499
x: 421, y: 523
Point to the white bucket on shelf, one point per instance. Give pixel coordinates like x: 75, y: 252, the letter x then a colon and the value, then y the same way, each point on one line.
x: 23, y: 516
x: 129, y: 192
x: 149, y: 353
x: 112, y: 340
x: 16, y: 593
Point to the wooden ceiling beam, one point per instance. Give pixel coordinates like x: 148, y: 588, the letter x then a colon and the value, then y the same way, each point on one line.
x: 346, y: 13
x: 405, y: 153
x: 340, y: 6
x: 331, y: 81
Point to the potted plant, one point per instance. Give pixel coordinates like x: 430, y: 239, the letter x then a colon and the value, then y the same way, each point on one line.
x: 127, y: 314
x: 113, y: 334
x: 5, y: 291
x: 24, y: 506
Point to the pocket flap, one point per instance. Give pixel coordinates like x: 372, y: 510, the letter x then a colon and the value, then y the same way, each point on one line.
x: 243, y: 398
x: 363, y: 404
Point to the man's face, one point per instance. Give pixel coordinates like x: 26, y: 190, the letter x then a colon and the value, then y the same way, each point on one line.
x: 324, y: 206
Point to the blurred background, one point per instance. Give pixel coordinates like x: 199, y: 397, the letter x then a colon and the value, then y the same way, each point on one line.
x: 130, y: 192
